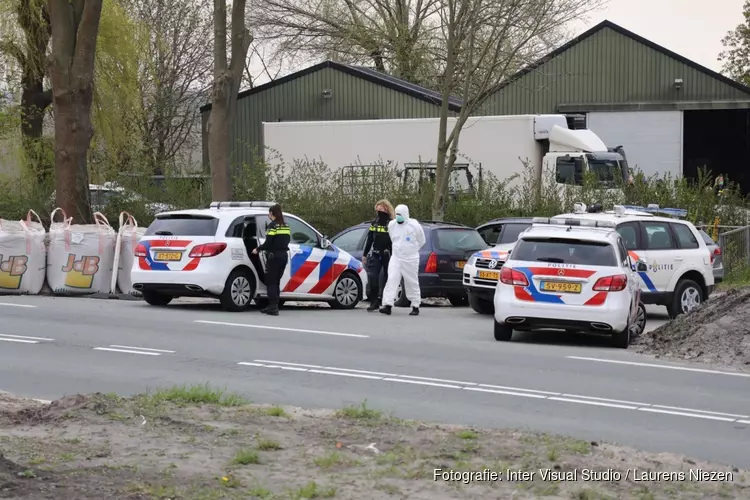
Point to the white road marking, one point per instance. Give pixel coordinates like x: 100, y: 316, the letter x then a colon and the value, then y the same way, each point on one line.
x: 503, y: 390
x: 142, y: 348
x: 267, y: 327
x: 22, y: 339
x: 9, y: 304
x: 668, y: 367
x: 127, y: 351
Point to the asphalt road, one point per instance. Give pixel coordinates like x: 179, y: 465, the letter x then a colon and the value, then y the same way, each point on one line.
x: 442, y: 366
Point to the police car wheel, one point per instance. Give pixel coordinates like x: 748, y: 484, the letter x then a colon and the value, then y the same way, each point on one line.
x: 687, y: 296
x: 480, y: 305
x: 503, y: 332
x: 156, y: 299
x: 401, y: 300
x: 621, y: 340
x: 640, y: 322
x: 238, y: 291
x: 348, y: 292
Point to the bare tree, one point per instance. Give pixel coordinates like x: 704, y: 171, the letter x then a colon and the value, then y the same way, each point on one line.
x: 392, y: 35
x: 226, y: 85
x: 75, y: 28
x: 484, y: 42
x: 30, y: 52
x: 174, y: 76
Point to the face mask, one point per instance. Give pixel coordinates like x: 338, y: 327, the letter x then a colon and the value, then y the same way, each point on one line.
x: 400, y: 219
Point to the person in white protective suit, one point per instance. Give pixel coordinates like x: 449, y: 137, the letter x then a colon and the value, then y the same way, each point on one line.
x: 407, y: 237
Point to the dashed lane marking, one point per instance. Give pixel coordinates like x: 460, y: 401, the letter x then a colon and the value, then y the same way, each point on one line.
x: 502, y: 390
x: 268, y: 327
x: 667, y: 367
x: 22, y: 339
x: 145, y: 351
x: 10, y: 304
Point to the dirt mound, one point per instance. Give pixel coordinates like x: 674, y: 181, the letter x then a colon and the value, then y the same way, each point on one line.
x: 717, y: 333
x: 33, y: 412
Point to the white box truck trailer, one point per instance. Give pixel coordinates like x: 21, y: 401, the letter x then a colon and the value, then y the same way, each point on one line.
x: 499, y: 145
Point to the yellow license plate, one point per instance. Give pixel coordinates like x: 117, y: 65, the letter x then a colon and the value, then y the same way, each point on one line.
x: 487, y: 275
x: 460, y: 264
x: 168, y: 256
x: 557, y: 286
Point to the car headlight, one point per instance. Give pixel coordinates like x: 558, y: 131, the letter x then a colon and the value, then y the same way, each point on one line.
x: 472, y: 260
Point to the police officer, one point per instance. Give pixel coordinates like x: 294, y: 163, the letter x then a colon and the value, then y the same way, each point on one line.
x: 276, y: 247
x: 380, y: 242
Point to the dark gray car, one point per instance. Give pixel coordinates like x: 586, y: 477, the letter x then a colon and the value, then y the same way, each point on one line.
x: 716, y: 255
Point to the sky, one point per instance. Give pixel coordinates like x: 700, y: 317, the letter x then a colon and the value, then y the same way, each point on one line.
x: 691, y: 28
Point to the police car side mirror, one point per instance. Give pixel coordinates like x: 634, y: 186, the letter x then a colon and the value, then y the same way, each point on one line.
x: 325, y: 243
x: 641, y: 266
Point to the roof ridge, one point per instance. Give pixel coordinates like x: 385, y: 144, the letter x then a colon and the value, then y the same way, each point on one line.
x: 633, y: 36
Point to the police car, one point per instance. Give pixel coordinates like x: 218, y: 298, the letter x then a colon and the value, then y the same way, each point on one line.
x: 208, y: 253
x: 573, y: 275
x: 676, y: 266
x: 482, y: 269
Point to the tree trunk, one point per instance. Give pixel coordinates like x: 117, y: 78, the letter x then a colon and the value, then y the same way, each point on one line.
x: 438, y: 200
x: 75, y: 27
x: 34, y: 103
x: 227, y: 78
x: 33, y: 18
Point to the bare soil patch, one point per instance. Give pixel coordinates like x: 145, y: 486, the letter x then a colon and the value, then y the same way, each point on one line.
x: 717, y: 333
x: 196, y: 443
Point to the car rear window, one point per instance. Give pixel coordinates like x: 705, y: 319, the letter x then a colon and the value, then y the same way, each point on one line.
x: 458, y: 240
x: 511, y: 232
x: 706, y: 237
x: 183, y: 225
x: 565, y: 251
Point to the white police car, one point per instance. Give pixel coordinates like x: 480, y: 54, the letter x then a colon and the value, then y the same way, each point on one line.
x: 573, y: 275
x: 482, y: 269
x: 676, y: 268
x: 202, y: 253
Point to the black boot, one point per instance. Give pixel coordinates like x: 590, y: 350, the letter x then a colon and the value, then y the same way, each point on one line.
x: 385, y: 310
x: 373, y: 305
x: 273, y: 311
x: 414, y: 311
x: 265, y: 310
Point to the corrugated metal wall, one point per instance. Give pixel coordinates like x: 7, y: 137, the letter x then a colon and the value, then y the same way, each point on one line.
x: 301, y: 100
x: 607, y: 67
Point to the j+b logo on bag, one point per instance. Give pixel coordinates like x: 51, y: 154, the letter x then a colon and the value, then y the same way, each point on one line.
x: 80, y: 273
x: 12, y: 270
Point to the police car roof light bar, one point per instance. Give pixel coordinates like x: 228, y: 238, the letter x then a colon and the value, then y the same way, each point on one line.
x: 574, y: 222
x: 237, y: 204
x: 653, y: 208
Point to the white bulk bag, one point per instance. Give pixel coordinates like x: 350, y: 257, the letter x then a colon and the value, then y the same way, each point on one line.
x: 23, y: 256
x: 80, y: 256
x: 128, y: 236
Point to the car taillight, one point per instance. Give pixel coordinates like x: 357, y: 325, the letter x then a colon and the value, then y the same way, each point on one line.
x: 207, y: 250
x: 717, y: 251
x: 140, y: 250
x: 615, y: 283
x: 512, y: 277
x: 431, y: 266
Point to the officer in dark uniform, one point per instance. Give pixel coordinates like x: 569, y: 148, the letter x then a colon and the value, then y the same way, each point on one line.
x: 276, y: 247
x: 380, y: 242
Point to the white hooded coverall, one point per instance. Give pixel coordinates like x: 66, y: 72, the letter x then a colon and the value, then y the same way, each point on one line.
x: 407, y: 238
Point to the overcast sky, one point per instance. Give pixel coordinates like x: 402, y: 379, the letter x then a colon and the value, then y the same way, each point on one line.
x: 692, y: 28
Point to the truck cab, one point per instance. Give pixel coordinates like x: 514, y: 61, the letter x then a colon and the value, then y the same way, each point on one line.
x: 572, y: 153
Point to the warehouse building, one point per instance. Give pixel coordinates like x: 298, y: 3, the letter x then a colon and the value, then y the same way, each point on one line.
x: 671, y: 114
x: 324, y: 92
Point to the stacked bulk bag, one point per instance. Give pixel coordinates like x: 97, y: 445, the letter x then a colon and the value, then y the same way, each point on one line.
x: 128, y: 236
x: 23, y: 255
x: 80, y: 256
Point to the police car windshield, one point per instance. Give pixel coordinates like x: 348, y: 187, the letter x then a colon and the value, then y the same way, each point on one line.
x: 458, y: 240
x: 183, y: 225
x: 511, y: 232
x: 565, y: 251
